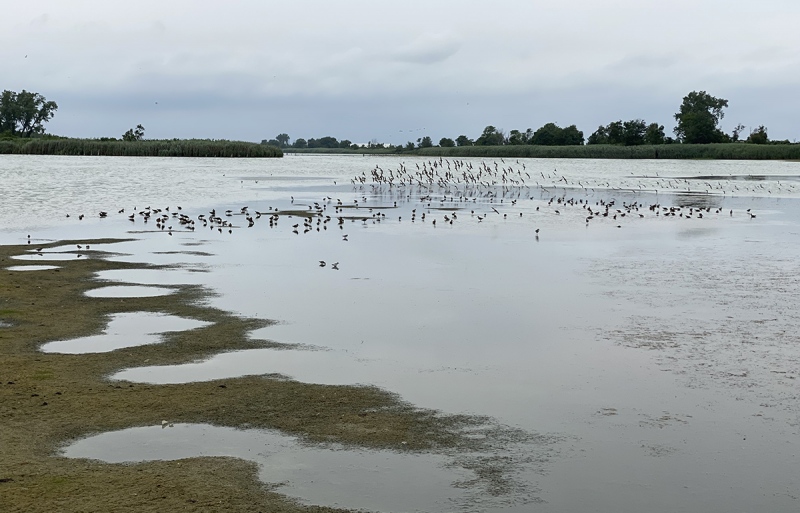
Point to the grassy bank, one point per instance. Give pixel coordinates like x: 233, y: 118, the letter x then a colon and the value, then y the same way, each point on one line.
x: 731, y: 151
x: 154, y: 148
x: 48, y: 399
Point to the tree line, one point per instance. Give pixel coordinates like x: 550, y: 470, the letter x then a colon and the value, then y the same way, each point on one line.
x: 697, y: 119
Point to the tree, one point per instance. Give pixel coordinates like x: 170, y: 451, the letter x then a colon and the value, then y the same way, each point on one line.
x: 737, y: 131
x: 628, y: 133
x: 463, y: 140
x: 23, y: 114
x: 491, y: 137
x: 136, y: 134
x: 699, y: 117
x: 424, y: 142
x: 300, y: 143
x: 446, y: 142
x: 758, y: 136
x: 655, y: 134
x: 283, y: 140
x: 599, y: 136
x: 553, y: 135
x: 517, y: 137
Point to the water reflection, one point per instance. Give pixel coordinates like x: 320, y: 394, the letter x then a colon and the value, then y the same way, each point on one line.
x: 32, y: 267
x: 129, y: 291
x: 125, y: 330
x: 332, y: 476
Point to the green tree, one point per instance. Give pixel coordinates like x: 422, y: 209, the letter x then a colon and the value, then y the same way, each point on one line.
x: 599, y: 136
x: 516, y: 137
x: 553, y: 135
x: 24, y: 114
x: 300, y: 143
x: 758, y: 136
x: 491, y: 137
x: 134, y: 134
x: 463, y: 140
x: 344, y: 143
x: 446, y: 142
x: 699, y: 117
x: 633, y: 132
x: 410, y: 145
x: 655, y: 134
x: 283, y: 140
x: 424, y: 142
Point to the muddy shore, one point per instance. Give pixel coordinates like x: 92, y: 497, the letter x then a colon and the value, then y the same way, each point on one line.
x: 46, y: 400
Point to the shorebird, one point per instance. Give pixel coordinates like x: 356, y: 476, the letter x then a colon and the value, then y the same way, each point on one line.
x: 322, y: 263
x: 335, y: 266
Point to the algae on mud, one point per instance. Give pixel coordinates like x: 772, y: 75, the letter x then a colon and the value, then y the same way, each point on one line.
x: 48, y: 399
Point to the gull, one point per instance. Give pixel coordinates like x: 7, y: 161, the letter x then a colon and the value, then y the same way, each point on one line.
x: 322, y: 263
x: 335, y: 266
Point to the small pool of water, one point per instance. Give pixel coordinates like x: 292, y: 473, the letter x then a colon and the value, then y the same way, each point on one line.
x: 32, y: 267
x: 332, y: 475
x: 129, y: 291
x: 125, y: 330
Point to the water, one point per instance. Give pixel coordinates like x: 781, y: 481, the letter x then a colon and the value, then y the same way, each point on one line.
x: 662, y: 349
x: 125, y: 330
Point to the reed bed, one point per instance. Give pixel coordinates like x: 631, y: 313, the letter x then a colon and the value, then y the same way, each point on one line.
x: 154, y: 148
x: 730, y: 151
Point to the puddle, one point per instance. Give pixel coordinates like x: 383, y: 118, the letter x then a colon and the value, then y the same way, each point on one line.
x: 125, y: 330
x: 154, y: 276
x: 129, y: 291
x: 32, y: 267
x: 49, y: 256
x: 331, y: 476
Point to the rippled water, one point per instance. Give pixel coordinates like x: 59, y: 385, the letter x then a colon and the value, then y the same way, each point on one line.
x: 663, y: 349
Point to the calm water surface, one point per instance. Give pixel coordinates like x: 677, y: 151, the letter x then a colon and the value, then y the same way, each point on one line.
x: 660, y: 351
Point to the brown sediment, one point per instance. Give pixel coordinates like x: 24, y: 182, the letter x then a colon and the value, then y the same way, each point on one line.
x: 47, y: 400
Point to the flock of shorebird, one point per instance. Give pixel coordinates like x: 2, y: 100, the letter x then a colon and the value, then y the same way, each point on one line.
x: 439, y: 191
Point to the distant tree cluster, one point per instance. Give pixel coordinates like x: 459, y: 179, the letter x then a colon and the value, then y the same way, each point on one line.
x: 134, y: 134
x: 24, y: 114
x: 630, y: 133
x: 697, y: 120
x: 283, y: 141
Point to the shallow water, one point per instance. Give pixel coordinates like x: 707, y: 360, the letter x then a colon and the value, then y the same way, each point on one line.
x: 661, y: 348
x: 129, y: 291
x: 125, y: 330
x: 32, y: 267
x: 310, y: 473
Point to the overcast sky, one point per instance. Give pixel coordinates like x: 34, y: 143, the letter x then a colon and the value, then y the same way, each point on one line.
x: 395, y: 71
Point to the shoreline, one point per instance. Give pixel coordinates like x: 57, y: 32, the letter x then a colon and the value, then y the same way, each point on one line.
x: 49, y: 399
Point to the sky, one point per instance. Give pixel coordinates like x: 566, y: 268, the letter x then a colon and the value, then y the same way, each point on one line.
x: 395, y: 71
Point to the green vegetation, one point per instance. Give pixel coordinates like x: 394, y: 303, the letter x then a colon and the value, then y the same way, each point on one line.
x: 697, y: 137
x: 132, y: 135
x: 699, y: 117
x: 149, y: 148
x: 724, y: 151
x: 24, y: 114
x: 630, y: 133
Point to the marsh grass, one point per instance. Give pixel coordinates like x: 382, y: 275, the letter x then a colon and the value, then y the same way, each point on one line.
x: 46, y: 400
x: 148, y: 148
x: 731, y: 151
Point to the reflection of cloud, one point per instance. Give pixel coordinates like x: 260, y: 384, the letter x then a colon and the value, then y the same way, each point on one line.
x: 428, y: 49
